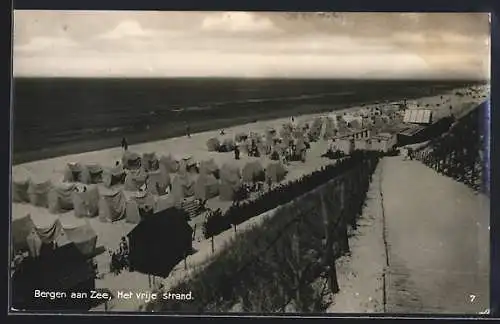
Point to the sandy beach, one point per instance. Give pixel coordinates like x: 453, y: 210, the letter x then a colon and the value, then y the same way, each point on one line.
x: 109, y: 234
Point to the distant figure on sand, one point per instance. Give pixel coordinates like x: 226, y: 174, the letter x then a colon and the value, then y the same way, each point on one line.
x: 236, y: 153
x: 188, y: 131
x: 124, y: 144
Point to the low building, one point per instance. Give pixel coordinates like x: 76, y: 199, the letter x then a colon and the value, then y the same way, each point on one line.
x: 383, y: 142
x: 353, y: 119
x: 363, y: 144
x: 344, y: 144
x: 360, y: 134
x: 414, y: 133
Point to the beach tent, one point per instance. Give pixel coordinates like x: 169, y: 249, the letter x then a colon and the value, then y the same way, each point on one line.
x: 206, y: 187
x: 230, y: 172
x: 112, y: 206
x: 244, y: 147
x: 285, y: 134
x: 264, y: 147
x: 22, y: 226
x: 34, y: 244
x: 73, y: 172
x: 158, y: 182
x: 86, y: 203
x: 150, y: 161
x: 160, y: 242
x: 209, y: 167
x: 187, y: 164
x: 329, y: 128
x: 227, y: 145
x: 253, y: 172
x: 170, y: 163
x: 60, y: 197
x: 91, y: 174
x: 255, y: 138
x: 135, y: 179
x: 300, y: 145
x: 270, y: 133
x: 38, y: 192
x: 139, y: 206
x: 275, y: 154
x: 230, y: 176
x: 20, y: 187
x: 213, y: 144
x: 163, y: 202
x: 182, y: 186
x: 131, y: 160
x: 80, y: 233
x: 275, y: 171
x: 240, y: 137
x: 48, y: 227
x: 286, y: 128
x: 31, y: 229
x: 298, y: 133
x: 113, y: 176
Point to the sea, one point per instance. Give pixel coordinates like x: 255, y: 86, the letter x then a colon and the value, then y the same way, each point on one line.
x: 54, y: 116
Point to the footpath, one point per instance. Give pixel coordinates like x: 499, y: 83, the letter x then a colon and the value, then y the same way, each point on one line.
x: 422, y: 246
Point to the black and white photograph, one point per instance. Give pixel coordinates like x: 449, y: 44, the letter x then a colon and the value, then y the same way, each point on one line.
x: 208, y: 162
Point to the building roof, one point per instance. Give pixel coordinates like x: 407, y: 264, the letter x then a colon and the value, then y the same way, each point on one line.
x: 383, y: 136
x: 418, y: 116
x: 412, y: 130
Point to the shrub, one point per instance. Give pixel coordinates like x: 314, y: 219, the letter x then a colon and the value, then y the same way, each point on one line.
x: 266, y: 268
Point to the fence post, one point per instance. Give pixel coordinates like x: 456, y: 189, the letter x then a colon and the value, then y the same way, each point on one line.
x: 296, y: 255
x: 341, y: 228
x: 329, y: 260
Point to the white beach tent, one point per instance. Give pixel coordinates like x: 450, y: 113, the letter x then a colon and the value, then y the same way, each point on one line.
x: 20, y: 185
x: 112, y: 205
x: 79, y: 232
x: 138, y: 205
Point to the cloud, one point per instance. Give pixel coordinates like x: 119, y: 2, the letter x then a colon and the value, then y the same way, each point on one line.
x: 44, y: 43
x: 246, y: 44
x: 126, y: 29
x: 237, y: 22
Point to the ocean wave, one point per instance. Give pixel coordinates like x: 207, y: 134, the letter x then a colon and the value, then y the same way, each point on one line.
x: 113, y: 129
x: 210, y: 105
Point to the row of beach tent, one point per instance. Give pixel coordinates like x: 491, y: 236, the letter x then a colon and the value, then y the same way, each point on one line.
x: 184, y: 177
x: 269, y: 142
x: 30, y: 231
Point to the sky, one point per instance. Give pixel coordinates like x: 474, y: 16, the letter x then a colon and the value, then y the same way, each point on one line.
x: 251, y: 44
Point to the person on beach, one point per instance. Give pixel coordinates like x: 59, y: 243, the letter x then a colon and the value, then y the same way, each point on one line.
x: 124, y: 144
x: 124, y: 246
x: 236, y: 153
x: 188, y: 130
